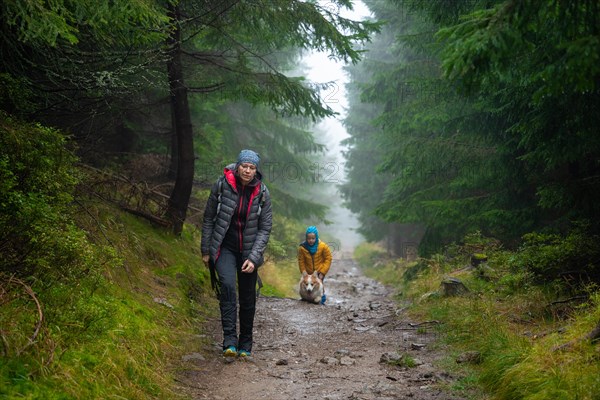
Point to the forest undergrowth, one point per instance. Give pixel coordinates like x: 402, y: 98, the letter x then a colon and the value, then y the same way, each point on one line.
x: 94, y: 302
x: 508, y: 333
x: 116, y: 335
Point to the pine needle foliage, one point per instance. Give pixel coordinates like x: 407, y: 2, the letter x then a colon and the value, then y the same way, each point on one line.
x: 485, y: 121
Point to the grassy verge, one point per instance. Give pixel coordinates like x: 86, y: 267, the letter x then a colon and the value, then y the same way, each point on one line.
x: 116, y: 334
x: 280, y: 279
x: 513, y: 327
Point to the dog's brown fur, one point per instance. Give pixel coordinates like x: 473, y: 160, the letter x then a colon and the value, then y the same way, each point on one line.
x: 310, y: 287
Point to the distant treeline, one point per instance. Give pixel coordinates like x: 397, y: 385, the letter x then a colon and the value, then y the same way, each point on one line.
x: 476, y: 116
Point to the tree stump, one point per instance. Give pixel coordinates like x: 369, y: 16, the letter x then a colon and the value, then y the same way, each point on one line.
x: 479, y: 262
x: 453, y: 287
x: 478, y: 258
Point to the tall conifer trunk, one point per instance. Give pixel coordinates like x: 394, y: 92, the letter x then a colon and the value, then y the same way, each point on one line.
x: 174, y: 159
x: 182, y: 123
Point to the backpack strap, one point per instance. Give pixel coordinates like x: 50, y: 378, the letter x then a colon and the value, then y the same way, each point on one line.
x: 261, y: 198
x: 219, y: 195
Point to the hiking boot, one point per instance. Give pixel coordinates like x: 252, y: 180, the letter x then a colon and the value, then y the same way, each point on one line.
x: 231, y: 351
x: 323, y: 299
x: 244, y: 354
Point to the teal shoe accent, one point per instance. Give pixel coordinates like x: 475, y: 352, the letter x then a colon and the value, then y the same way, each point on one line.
x: 231, y: 351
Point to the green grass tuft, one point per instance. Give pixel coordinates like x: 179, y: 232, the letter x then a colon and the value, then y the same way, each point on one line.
x: 112, y: 335
x: 530, y: 348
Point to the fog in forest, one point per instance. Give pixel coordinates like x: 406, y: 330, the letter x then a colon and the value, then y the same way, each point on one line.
x: 319, y: 68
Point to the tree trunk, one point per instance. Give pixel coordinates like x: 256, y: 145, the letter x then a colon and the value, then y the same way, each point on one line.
x: 172, y: 174
x: 181, y: 120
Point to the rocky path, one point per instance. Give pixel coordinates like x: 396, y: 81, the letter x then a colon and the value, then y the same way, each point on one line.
x: 335, y: 351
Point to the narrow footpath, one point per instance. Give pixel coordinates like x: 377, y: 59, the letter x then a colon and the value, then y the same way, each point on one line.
x: 342, y: 350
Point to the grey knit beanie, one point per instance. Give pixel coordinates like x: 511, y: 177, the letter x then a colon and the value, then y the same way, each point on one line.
x: 248, y: 156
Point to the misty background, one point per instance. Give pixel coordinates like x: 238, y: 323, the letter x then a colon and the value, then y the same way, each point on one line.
x: 318, y: 67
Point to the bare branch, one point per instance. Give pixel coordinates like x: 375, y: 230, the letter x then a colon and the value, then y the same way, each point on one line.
x: 38, y: 326
x: 206, y: 89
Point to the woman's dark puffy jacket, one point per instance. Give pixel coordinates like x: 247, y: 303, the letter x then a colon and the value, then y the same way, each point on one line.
x: 258, y: 227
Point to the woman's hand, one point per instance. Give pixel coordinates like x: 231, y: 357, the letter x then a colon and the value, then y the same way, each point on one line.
x: 205, y: 259
x: 248, y: 267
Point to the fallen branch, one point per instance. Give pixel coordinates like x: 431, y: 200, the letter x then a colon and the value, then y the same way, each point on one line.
x: 424, y: 323
x: 38, y: 327
x: 592, y: 336
x: 125, y: 180
x: 570, y: 299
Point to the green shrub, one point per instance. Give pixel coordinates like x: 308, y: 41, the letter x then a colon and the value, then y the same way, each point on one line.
x: 476, y: 242
x: 573, y: 258
x: 49, y: 270
x: 413, y: 271
x: 36, y: 183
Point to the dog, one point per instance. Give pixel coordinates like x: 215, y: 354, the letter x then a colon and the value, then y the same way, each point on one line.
x: 311, y: 287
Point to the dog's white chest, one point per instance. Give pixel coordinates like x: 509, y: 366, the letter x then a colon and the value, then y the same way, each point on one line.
x: 311, y: 288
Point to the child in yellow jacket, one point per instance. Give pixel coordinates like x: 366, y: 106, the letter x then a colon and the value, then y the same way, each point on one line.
x: 314, y: 255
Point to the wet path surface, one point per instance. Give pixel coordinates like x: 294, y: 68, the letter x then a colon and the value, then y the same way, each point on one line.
x: 309, y: 351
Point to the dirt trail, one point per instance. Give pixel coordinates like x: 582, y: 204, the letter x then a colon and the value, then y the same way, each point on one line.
x: 309, y: 351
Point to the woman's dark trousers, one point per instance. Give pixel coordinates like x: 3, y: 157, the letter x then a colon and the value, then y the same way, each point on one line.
x: 229, y: 267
